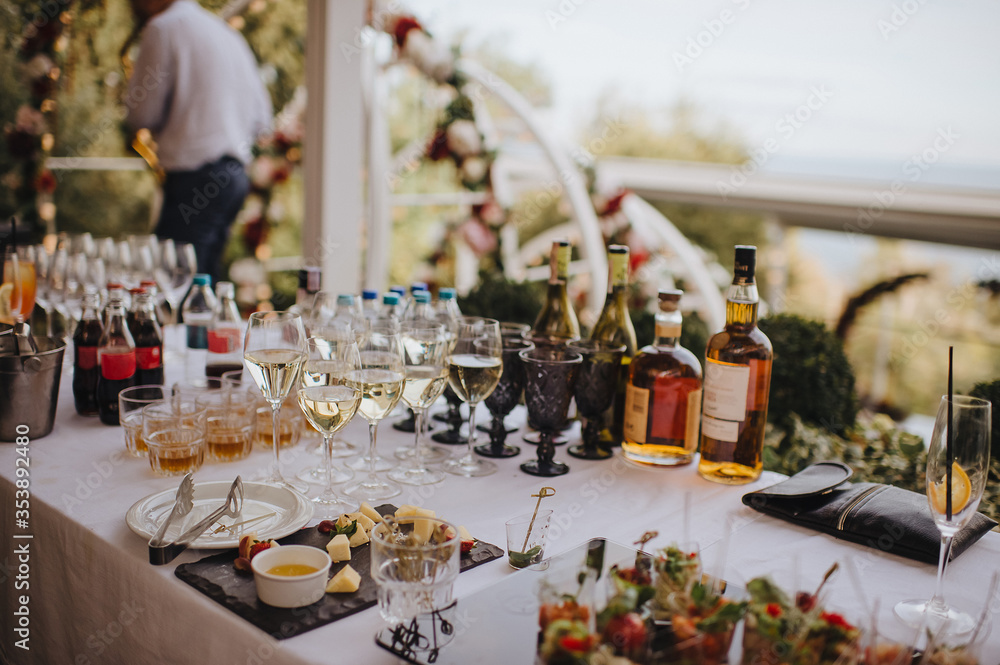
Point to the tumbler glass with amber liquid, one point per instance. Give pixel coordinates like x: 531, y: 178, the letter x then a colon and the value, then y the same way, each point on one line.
x: 663, y: 395
x: 737, y: 384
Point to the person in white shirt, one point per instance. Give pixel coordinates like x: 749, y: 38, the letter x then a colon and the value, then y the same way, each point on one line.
x: 195, y: 86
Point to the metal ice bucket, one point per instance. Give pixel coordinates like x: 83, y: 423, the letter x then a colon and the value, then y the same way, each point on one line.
x: 29, y: 389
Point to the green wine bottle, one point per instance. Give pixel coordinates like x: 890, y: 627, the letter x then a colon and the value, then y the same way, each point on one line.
x: 615, y: 327
x: 557, y: 323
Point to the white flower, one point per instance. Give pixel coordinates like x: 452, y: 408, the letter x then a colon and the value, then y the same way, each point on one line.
x: 262, y: 172
x: 433, y: 60
x: 39, y: 66
x: 463, y: 138
x: 30, y: 120
x: 473, y: 170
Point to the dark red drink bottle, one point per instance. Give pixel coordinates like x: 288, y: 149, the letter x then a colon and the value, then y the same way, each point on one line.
x: 85, y: 342
x: 148, y: 339
x: 116, y: 357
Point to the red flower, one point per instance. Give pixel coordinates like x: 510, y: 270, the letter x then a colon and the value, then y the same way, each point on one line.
x: 45, y: 182
x: 773, y: 610
x: 437, y: 149
x: 614, y: 204
x: 837, y: 620
x: 403, y: 25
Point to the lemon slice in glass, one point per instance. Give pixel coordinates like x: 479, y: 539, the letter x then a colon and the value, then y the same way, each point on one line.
x: 961, y: 490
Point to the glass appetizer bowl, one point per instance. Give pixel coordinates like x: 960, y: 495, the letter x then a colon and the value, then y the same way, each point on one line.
x: 291, y: 576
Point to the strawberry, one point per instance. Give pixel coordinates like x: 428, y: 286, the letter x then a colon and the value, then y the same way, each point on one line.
x: 259, y: 547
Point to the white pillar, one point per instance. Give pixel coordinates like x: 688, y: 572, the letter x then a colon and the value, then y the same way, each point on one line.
x: 333, y: 153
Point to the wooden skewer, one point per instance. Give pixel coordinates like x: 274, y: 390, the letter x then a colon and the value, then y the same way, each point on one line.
x: 230, y: 528
x: 542, y: 493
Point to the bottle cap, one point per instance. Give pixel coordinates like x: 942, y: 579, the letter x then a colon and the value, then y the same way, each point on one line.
x: 669, y: 299
x: 422, y: 296
x: 390, y: 298
x: 418, y: 286
x: 400, y: 290
x: 369, y: 294
x: 201, y: 279
x: 147, y: 282
x: 136, y: 290
x: 345, y: 299
x: 746, y: 261
x: 617, y: 249
x: 446, y: 293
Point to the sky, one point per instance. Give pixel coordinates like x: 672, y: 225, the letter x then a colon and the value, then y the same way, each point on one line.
x: 883, y: 76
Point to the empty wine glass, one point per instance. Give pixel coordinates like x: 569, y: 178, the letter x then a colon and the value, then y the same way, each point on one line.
x: 380, y: 380
x: 425, y: 349
x: 595, y: 391
x: 329, y: 400
x: 175, y: 272
x: 274, y: 351
x: 957, y: 464
x: 474, y: 369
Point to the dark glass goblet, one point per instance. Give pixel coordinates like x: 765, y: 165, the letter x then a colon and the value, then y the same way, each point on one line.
x: 505, y: 397
x: 515, y: 331
x: 595, y: 390
x: 553, y: 343
x: 548, y: 388
x: 453, y: 418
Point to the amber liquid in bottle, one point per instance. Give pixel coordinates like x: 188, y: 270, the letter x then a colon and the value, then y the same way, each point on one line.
x: 737, y: 384
x: 663, y: 397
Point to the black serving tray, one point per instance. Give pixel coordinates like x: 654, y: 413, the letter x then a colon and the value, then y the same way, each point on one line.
x: 217, y: 578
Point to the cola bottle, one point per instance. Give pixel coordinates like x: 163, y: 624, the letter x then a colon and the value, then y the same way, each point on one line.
x: 116, y: 358
x: 148, y: 339
x: 85, y: 342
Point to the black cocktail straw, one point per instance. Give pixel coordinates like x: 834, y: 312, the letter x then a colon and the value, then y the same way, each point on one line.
x: 947, y: 438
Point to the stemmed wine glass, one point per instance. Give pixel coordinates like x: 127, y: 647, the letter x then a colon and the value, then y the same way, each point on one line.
x: 508, y: 393
x: 956, y: 477
x: 274, y: 351
x: 329, y: 400
x: 474, y: 369
x: 380, y: 380
x: 175, y: 272
x: 550, y: 374
x: 425, y: 349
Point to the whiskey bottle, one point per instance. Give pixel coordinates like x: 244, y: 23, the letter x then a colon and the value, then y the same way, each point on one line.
x: 557, y: 323
x: 663, y: 396
x: 614, y: 326
x: 737, y: 382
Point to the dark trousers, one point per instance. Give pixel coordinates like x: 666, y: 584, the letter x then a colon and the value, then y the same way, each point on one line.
x: 200, y: 206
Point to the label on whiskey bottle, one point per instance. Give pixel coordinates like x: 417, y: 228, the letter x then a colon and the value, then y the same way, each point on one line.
x: 693, y: 420
x: 668, y: 330
x: 721, y: 430
x: 636, y: 413
x: 726, y: 387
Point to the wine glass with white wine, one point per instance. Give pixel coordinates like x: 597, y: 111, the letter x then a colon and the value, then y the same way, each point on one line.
x: 380, y: 381
x: 425, y: 348
x: 329, y: 400
x: 956, y: 477
x: 474, y: 369
x: 274, y: 351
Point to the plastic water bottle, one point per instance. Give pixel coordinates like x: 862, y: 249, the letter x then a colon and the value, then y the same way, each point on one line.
x: 197, y: 313
x: 420, y: 309
x: 225, y: 336
x: 388, y: 316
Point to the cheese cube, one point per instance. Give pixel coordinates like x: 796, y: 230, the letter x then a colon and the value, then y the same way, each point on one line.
x: 360, y: 537
x: 344, y: 520
x: 346, y: 581
x: 363, y: 520
x: 425, y: 512
x: 422, y: 529
x: 339, y: 548
x: 370, y: 512
x: 406, y: 510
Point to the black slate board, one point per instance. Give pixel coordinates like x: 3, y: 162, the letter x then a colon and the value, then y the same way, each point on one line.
x: 217, y: 578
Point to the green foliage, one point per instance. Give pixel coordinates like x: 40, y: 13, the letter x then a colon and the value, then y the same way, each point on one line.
x: 810, y: 376
x: 991, y: 391
x: 503, y: 300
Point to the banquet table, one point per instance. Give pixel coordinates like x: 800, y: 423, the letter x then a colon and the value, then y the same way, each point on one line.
x: 92, y: 596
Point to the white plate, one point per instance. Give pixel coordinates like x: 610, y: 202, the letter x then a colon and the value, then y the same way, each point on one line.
x: 292, y: 511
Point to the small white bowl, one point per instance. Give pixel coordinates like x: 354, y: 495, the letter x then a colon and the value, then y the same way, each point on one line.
x: 294, y: 590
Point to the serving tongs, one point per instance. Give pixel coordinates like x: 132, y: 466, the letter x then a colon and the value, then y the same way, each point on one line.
x: 160, y: 552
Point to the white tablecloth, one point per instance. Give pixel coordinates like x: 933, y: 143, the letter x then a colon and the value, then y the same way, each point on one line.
x: 92, y: 597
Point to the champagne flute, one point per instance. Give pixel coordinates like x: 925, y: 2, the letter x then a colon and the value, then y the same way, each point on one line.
x: 474, y: 369
x: 329, y: 401
x: 380, y: 380
x: 425, y: 348
x: 956, y: 477
x: 274, y: 351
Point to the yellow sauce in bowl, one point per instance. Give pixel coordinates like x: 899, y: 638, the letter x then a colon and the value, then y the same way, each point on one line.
x: 292, y: 570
